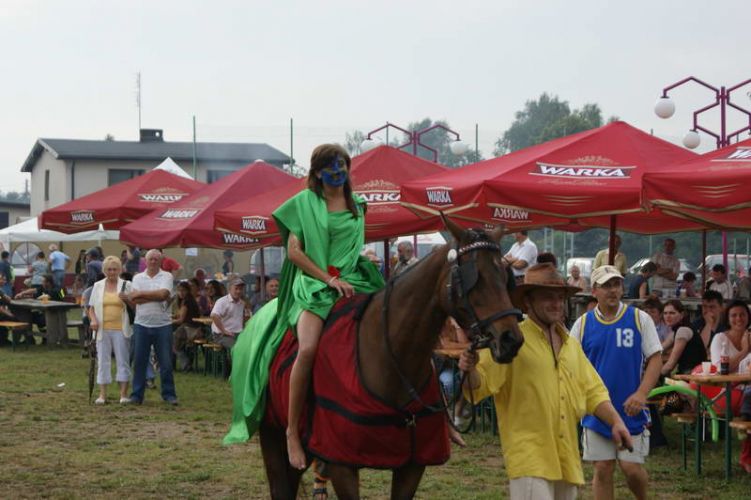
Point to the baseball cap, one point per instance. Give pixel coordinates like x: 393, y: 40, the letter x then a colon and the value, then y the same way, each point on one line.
x: 603, y: 274
x: 236, y: 281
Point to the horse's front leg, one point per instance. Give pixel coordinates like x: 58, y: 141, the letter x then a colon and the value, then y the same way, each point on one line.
x: 405, y: 480
x: 345, y: 480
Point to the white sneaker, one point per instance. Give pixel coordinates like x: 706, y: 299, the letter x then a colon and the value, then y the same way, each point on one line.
x: 124, y: 401
x: 99, y: 401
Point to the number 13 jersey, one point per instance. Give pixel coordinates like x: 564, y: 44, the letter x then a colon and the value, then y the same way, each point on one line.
x: 617, y: 349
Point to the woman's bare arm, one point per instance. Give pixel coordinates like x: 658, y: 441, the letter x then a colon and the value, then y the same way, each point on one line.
x: 296, y: 254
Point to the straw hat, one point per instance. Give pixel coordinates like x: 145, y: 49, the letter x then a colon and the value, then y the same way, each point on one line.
x: 542, y: 275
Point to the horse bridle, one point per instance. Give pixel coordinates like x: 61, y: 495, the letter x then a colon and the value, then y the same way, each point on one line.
x: 462, y: 279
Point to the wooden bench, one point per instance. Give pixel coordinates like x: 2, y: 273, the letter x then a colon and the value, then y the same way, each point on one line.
x: 10, y: 325
x: 81, y: 330
x: 685, y: 419
x: 742, y: 426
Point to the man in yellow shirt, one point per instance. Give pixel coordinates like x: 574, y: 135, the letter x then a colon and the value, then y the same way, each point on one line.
x: 601, y: 259
x: 541, y: 396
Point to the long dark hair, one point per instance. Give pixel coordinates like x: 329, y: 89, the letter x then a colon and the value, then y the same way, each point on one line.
x: 323, y: 156
x: 678, y: 306
x: 189, y: 301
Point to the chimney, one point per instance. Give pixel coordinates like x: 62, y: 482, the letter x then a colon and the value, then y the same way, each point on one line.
x: 152, y: 135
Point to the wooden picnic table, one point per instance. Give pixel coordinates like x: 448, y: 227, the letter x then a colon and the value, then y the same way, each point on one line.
x: 718, y: 380
x: 55, y: 315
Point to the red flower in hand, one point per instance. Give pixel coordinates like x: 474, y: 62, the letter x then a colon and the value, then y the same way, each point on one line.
x: 333, y: 272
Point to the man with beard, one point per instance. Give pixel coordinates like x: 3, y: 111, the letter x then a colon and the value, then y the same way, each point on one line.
x: 406, y: 253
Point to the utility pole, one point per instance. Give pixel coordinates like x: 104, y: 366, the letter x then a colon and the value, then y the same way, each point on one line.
x: 195, y: 160
x: 138, y: 99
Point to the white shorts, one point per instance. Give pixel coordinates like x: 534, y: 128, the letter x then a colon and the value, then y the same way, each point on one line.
x: 598, y: 447
x: 537, y: 488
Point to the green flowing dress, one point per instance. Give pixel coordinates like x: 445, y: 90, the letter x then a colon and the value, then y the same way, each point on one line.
x: 329, y: 239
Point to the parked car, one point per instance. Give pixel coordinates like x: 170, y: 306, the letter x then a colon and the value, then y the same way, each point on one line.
x: 738, y: 265
x: 273, y: 258
x: 425, y: 244
x: 685, y: 267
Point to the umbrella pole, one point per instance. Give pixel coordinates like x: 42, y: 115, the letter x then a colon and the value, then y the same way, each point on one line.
x: 263, y: 276
x: 611, y: 242
x: 386, y: 259
x: 703, y: 259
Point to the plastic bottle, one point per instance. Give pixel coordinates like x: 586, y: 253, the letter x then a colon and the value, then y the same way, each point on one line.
x: 724, y: 358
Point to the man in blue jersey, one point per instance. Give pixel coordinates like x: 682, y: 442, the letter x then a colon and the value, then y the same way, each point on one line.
x: 619, y: 341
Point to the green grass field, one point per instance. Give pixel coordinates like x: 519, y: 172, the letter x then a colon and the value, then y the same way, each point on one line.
x: 54, y: 444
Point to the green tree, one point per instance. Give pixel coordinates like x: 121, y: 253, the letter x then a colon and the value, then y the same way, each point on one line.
x: 16, y: 196
x: 544, y: 119
x: 353, y: 142
x: 440, y: 140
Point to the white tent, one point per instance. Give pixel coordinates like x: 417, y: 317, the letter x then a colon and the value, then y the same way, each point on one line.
x: 168, y: 165
x: 28, y: 231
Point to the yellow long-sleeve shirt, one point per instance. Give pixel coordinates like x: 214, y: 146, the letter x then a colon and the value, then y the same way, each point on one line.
x: 539, y: 403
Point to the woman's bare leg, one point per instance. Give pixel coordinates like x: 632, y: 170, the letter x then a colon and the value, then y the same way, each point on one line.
x: 309, y: 328
x: 123, y: 389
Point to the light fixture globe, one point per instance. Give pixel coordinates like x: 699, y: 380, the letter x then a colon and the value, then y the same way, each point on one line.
x: 458, y: 148
x: 369, y: 144
x: 664, y: 107
x: 692, y: 139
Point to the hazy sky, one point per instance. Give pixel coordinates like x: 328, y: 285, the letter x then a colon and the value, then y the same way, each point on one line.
x: 244, y: 68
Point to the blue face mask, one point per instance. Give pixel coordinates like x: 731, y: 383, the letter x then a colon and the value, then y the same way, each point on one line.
x: 335, y: 175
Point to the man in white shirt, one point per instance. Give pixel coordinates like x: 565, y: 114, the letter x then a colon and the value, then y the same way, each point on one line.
x: 228, y: 315
x: 668, y: 267
x: 523, y: 254
x: 151, y: 294
x: 406, y: 254
x: 720, y: 282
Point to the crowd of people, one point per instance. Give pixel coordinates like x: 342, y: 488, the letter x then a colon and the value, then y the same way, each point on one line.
x: 631, y: 348
x: 596, y: 375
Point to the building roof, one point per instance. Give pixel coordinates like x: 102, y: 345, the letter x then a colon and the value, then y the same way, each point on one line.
x: 74, y: 149
x: 15, y: 204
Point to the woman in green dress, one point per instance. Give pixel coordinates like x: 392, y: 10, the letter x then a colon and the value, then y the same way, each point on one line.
x: 323, y: 228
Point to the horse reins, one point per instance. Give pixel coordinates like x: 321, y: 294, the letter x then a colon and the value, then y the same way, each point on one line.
x: 462, y: 279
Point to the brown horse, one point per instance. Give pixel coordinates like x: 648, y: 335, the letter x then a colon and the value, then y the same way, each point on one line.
x: 398, y: 332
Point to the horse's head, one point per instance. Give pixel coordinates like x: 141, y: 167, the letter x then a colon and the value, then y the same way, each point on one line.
x: 477, y: 292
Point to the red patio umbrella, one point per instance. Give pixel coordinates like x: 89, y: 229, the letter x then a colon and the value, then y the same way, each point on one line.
x: 579, y: 180
x: 117, y: 205
x: 712, y: 189
x: 190, y: 222
x: 376, y: 176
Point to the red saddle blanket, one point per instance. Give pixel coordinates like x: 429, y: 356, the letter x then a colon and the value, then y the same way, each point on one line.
x: 342, y: 421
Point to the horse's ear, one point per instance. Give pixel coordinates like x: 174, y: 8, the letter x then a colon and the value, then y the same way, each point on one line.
x: 454, y: 228
x: 497, y: 233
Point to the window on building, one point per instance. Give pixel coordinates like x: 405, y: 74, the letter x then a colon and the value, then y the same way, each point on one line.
x: 46, y: 185
x: 116, y: 176
x: 4, y: 220
x: 215, y: 175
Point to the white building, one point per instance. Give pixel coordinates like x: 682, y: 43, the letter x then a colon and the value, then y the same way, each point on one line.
x: 64, y: 169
